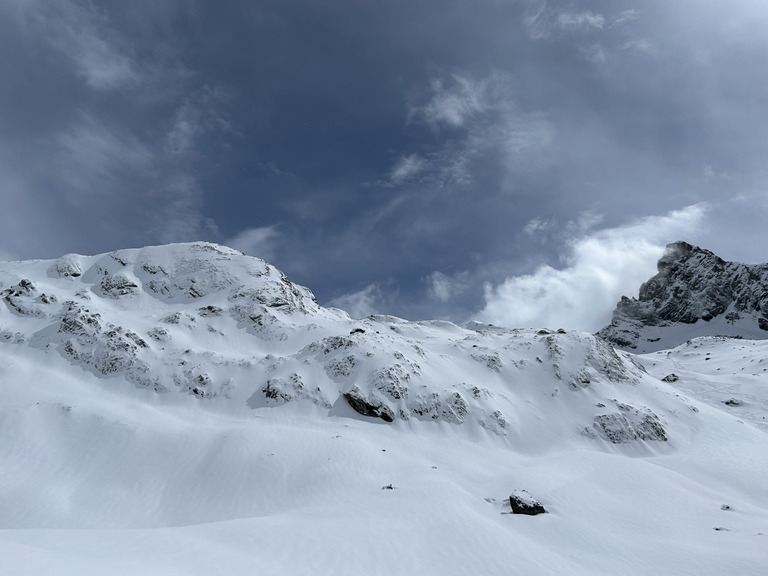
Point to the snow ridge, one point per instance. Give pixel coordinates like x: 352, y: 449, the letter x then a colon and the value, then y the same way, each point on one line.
x: 207, y: 321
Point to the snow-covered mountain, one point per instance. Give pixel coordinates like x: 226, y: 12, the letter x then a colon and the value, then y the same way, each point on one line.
x: 695, y: 293
x: 186, y: 409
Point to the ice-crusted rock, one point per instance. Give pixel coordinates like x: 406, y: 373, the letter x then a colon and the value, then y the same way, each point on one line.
x: 66, y: 266
x: 692, y: 286
x: 24, y: 299
x: 279, y: 390
x: 627, y: 425
x: 116, y: 285
x: 108, y: 349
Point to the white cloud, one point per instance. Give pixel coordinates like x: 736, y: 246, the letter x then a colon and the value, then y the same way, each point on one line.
x: 257, y: 242
x: 361, y: 303
x: 602, y: 266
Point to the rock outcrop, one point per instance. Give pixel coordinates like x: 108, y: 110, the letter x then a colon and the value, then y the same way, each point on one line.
x: 693, y: 287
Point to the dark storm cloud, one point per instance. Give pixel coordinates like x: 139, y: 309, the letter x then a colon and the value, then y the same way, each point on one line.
x: 416, y: 158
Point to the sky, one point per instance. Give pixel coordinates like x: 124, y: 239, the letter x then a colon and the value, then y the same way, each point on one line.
x: 520, y: 162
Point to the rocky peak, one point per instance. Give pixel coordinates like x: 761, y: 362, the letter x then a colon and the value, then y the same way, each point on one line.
x: 693, y: 286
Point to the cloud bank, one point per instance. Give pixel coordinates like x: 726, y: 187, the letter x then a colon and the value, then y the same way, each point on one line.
x: 602, y: 266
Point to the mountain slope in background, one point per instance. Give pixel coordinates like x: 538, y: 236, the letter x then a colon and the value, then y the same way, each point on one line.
x: 186, y: 409
x: 695, y: 293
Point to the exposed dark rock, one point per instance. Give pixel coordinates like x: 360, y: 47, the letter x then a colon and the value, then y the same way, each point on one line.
x: 116, y: 285
x: 207, y: 311
x: 522, y: 502
x: 66, y: 266
x: 671, y: 378
x: 491, y: 361
x: 628, y: 425
x: 373, y: 408
x: 341, y: 368
x: 23, y: 299
x: 733, y: 402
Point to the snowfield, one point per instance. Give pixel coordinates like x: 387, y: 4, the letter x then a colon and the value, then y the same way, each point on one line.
x: 186, y: 409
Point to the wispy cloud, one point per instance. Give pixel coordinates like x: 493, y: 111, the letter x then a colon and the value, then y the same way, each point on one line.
x: 442, y: 287
x: 95, y: 155
x: 102, y: 56
x: 406, y: 168
x: 454, y: 99
x: 200, y: 113
x: 641, y: 46
x: 178, y: 216
x: 487, y: 124
x: 543, y: 22
x: 580, y: 20
x: 361, y: 303
x: 257, y: 242
x: 601, y: 267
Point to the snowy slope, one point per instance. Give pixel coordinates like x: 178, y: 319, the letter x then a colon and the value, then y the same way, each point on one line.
x: 186, y: 409
x: 695, y: 293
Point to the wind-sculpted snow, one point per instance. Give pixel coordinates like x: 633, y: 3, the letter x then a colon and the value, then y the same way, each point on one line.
x: 695, y: 293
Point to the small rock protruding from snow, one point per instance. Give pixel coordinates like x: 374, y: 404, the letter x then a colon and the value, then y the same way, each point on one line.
x: 522, y: 502
x: 628, y: 425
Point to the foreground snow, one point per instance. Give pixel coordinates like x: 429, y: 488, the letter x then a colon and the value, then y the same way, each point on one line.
x: 228, y: 445
x: 135, y: 488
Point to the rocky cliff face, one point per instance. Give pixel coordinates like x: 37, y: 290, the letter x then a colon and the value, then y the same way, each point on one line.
x: 695, y: 293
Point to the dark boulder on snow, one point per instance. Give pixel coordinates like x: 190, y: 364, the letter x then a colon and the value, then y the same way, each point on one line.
x: 522, y: 502
x: 373, y: 408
